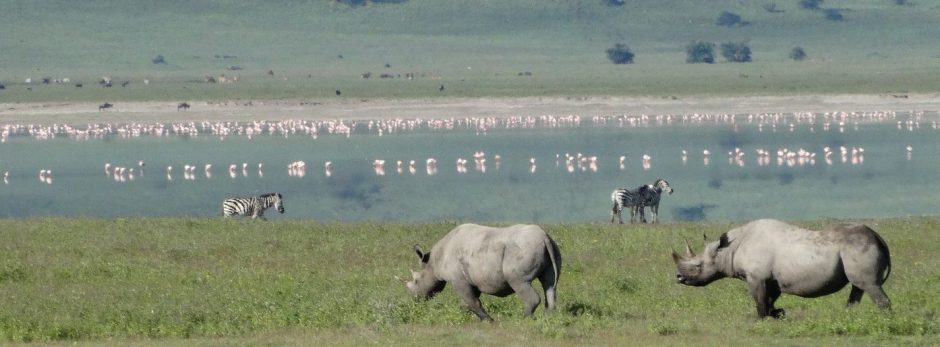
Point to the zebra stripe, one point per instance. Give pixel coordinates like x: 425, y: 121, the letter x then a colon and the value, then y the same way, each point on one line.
x: 252, y: 206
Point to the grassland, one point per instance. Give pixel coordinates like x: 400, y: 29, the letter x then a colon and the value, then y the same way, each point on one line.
x: 475, y: 49
x: 186, y: 281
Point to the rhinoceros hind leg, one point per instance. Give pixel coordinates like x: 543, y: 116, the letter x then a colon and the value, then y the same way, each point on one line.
x: 879, y: 297
x: 528, y: 295
x: 855, y: 295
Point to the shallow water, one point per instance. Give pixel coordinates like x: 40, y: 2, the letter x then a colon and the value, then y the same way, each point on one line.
x: 885, y: 183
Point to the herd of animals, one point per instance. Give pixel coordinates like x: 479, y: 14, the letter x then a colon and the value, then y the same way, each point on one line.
x: 770, y: 256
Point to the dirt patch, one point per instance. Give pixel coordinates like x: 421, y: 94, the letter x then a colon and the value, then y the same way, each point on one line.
x: 150, y: 112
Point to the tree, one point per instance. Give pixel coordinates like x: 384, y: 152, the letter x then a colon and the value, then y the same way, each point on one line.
x: 620, y: 54
x: 798, y: 54
x: 700, y: 52
x: 810, y: 4
x: 736, y: 52
x: 833, y: 14
x: 729, y: 19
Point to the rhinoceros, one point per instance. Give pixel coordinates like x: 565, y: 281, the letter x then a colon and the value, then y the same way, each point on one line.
x: 774, y: 257
x: 478, y: 259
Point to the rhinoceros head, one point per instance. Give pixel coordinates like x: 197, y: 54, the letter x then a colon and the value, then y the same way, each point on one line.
x: 699, y: 270
x: 423, y: 283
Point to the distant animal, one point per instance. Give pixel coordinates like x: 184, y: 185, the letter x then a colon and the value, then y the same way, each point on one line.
x: 2, y: 87
x: 774, y: 257
x: 638, y: 198
x: 182, y: 106
x: 441, y: 88
x: 105, y: 105
x: 78, y: 85
x: 252, y: 206
x: 125, y: 83
x: 338, y: 92
x: 478, y: 259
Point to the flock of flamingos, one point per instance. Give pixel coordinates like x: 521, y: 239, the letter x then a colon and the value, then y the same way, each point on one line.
x: 777, y: 122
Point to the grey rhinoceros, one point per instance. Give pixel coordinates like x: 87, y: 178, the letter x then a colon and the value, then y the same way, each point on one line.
x: 497, y: 261
x: 774, y: 257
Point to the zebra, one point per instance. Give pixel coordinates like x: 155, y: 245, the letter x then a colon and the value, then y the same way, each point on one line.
x: 637, y: 199
x: 252, y: 206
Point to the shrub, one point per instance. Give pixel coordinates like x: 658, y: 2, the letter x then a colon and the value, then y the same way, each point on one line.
x: 700, y: 52
x: 158, y: 59
x: 798, y: 54
x: 833, y: 14
x: 729, y: 19
x: 615, y: 3
x: 810, y: 4
x: 620, y: 54
x: 736, y: 52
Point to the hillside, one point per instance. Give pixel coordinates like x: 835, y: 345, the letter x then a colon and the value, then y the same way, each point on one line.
x: 313, y: 49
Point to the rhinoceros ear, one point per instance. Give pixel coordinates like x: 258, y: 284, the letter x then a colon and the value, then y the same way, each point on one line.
x: 424, y: 257
x: 676, y: 257
x: 723, y: 241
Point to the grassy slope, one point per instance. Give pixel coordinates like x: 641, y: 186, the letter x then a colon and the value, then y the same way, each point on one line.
x: 474, y: 48
x: 210, y: 281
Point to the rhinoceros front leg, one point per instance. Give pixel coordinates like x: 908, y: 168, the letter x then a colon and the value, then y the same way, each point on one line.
x: 765, y: 293
x: 471, y: 296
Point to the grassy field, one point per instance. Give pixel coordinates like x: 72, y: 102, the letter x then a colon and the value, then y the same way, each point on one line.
x: 234, y: 282
x: 478, y: 48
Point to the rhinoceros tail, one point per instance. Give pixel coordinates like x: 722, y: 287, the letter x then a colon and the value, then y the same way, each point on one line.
x: 553, y: 254
x: 883, y: 246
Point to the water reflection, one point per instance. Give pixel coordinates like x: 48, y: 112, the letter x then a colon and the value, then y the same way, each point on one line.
x: 373, y: 169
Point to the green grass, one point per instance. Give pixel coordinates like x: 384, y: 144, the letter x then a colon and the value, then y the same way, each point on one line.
x: 473, y: 48
x: 186, y: 281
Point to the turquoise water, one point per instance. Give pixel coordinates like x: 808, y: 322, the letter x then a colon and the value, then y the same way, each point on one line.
x: 886, y: 183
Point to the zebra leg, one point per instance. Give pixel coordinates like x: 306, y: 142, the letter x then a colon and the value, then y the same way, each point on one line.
x: 642, y: 213
x: 615, y: 212
x: 654, y: 210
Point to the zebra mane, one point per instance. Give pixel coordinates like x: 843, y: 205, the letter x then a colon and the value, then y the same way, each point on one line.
x: 268, y: 195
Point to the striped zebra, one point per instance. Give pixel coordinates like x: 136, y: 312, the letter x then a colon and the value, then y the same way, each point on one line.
x: 638, y: 198
x: 252, y: 206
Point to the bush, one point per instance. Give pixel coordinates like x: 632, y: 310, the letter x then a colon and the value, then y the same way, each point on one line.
x: 833, y: 14
x: 729, y: 19
x: 700, y: 52
x: 798, y: 54
x: 620, y: 54
x: 615, y: 3
x: 810, y: 4
x: 736, y: 52
x: 158, y: 60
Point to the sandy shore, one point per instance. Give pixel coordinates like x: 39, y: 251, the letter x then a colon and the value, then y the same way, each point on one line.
x: 123, y: 112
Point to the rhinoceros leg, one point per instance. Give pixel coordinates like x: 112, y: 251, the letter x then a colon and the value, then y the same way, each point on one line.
x: 471, y: 296
x: 765, y: 293
x: 879, y: 297
x: 548, y: 279
x: 528, y: 295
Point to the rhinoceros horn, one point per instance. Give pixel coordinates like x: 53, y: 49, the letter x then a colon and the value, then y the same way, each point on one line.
x: 688, y: 249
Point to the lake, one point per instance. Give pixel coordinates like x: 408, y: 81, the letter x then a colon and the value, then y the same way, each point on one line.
x: 577, y: 163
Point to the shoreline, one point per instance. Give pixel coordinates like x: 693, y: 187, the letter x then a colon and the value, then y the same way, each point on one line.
x: 368, y: 109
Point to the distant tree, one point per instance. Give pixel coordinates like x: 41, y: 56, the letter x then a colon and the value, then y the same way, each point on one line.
x: 798, y: 54
x: 901, y: 2
x: 833, y: 14
x: 700, y: 52
x: 615, y: 3
x: 158, y: 60
x: 620, y: 54
x: 729, y: 19
x: 772, y: 8
x: 736, y: 52
x: 810, y: 4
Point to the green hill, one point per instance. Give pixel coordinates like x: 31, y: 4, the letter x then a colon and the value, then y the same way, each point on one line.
x: 297, y: 49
